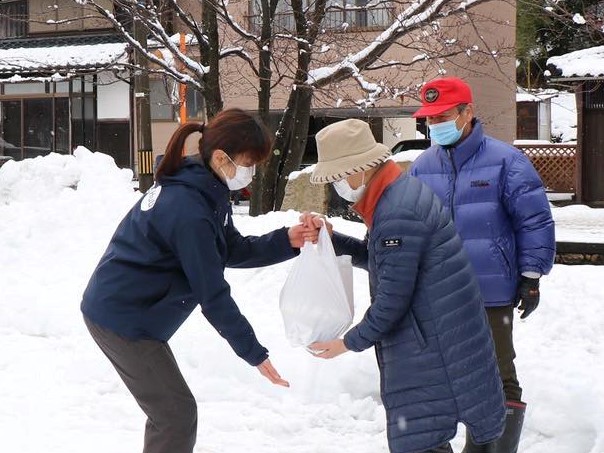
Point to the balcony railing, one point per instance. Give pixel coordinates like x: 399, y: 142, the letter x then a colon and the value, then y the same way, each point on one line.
x: 342, y: 20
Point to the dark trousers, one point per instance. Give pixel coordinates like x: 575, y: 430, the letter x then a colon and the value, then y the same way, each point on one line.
x: 150, y: 372
x: 501, y: 321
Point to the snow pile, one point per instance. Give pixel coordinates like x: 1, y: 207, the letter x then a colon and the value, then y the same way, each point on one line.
x: 59, y: 393
x: 564, y: 117
x: 52, y: 208
x: 579, y: 223
x: 46, y: 177
x: 42, y: 177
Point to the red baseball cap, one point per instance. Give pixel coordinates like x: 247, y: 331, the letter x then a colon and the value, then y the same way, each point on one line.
x: 440, y: 95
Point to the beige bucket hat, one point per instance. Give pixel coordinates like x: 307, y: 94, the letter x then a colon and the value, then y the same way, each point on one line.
x: 345, y: 148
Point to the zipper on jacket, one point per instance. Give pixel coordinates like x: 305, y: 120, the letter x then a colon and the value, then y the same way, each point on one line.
x: 450, y: 154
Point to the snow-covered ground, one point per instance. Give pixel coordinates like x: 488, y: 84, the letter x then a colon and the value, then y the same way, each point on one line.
x: 59, y: 394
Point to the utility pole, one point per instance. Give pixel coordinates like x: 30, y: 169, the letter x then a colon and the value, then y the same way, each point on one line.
x: 143, y: 112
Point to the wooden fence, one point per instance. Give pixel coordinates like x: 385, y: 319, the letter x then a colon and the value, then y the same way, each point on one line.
x: 555, y: 163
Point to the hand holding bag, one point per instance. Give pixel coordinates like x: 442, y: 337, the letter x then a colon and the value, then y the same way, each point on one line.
x: 316, y: 300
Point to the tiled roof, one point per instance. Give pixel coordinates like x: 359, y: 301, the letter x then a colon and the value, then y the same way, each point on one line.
x: 59, y: 41
x: 42, y: 57
x: 586, y: 63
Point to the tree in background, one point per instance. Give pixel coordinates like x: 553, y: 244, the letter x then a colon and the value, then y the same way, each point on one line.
x: 547, y: 28
x: 314, y: 49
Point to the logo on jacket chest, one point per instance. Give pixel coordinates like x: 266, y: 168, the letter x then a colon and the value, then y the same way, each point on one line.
x: 480, y: 183
x: 392, y: 242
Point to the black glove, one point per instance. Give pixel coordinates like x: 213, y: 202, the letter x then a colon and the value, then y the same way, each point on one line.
x: 527, y: 295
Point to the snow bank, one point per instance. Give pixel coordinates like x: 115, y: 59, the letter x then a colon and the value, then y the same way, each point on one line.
x: 59, y: 393
x: 46, y: 177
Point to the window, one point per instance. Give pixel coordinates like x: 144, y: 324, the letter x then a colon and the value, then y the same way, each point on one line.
x: 162, y: 99
x: 13, y: 19
x: 165, y: 101
x: 195, y: 104
x: 33, y: 127
x: 353, y: 15
x: 10, y: 129
x: 83, y: 111
x: 358, y: 15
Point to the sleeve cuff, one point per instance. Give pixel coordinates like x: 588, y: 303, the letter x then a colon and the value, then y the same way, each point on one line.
x: 292, y: 252
x: 354, y: 342
x: 531, y: 274
x: 259, y: 355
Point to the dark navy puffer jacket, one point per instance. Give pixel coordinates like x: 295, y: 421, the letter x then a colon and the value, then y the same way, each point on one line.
x: 168, y: 255
x: 499, y: 207
x: 427, y: 323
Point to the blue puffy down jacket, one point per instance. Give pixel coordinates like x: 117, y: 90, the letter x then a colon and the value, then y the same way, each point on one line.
x: 427, y: 322
x: 499, y: 208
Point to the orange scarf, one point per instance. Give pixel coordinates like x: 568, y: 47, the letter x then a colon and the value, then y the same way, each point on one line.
x: 380, y: 181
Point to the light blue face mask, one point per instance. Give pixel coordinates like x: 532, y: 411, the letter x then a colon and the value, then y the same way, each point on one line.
x: 446, y: 133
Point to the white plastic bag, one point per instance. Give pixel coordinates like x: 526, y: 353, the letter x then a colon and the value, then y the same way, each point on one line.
x: 316, y: 300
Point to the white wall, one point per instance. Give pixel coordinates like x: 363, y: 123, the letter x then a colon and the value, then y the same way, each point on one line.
x: 113, y: 98
x: 397, y: 129
x: 545, y: 120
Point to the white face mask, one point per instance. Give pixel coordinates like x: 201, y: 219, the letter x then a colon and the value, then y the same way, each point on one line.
x: 348, y: 193
x: 243, y: 176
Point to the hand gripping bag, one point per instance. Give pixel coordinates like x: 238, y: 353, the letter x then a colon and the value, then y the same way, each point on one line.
x: 316, y: 300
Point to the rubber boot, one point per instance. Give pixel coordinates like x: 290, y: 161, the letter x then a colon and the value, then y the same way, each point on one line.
x: 509, y: 440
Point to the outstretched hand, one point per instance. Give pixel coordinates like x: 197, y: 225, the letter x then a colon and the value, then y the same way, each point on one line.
x: 267, y: 370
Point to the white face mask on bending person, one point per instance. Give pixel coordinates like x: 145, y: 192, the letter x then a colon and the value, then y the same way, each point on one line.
x: 243, y: 176
x: 342, y: 187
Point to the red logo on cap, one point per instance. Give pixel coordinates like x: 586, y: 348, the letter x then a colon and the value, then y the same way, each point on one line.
x: 431, y: 95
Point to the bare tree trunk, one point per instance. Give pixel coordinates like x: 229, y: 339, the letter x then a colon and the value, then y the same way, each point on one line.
x: 288, y: 148
x: 292, y: 133
x: 280, y: 148
x: 259, y: 191
x: 210, y: 54
x: 297, y: 142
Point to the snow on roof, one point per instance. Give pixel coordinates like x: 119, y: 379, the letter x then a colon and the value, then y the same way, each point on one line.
x: 580, y: 63
x: 540, y: 95
x: 527, y: 97
x: 43, y: 59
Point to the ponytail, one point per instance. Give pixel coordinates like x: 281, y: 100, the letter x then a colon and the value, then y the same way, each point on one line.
x: 172, y: 160
x: 233, y: 131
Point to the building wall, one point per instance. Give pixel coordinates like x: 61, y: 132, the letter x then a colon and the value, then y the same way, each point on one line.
x: 545, y: 120
x: 44, y: 15
x: 397, y: 129
x: 113, y: 99
x: 492, y: 77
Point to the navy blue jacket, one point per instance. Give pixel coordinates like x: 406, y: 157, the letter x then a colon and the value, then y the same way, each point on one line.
x: 427, y: 322
x: 499, y: 207
x: 168, y: 255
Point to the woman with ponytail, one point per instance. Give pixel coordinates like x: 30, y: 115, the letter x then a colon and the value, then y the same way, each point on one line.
x: 168, y: 256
